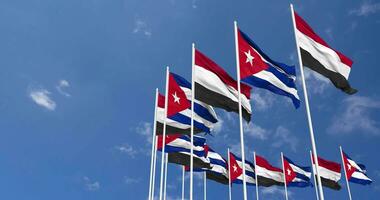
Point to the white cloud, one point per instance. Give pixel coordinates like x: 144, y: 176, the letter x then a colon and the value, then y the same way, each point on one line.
x: 283, y: 137
x: 256, y: 131
x: 356, y: 116
x: 271, y: 191
x: 366, y: 8
x: 194, y: 4
x: 127, y: 149
x: 145, y: 129
x: 129, y: 180
x: 329, y: 32
x: 62, y: 84
x: 315, y: 82
x: 262, y: 100
x: 91, y: 185
x: 218, y: 127
x: 142, y: 27
x: 41, y: 97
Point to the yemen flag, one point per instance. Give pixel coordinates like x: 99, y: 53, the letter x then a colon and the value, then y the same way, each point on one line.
x: 215, y: 87
x: 329, y: 172
x: 267, y: 174
x: 317, y: 55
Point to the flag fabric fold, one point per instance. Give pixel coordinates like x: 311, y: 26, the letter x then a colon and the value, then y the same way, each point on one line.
x: 267, y: 174
x: 329, y: 172
x: 317, y: 55
x: 258, y: 70
x: 178, y: 148
x: 356, y: 173
x: 295, y: 175
x: 215, y: 87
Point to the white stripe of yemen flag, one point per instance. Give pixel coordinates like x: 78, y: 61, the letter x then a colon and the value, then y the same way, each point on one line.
x: 215, y: 87
x: 267, y: 174
x: 320, y: 57
x: 329, y: 172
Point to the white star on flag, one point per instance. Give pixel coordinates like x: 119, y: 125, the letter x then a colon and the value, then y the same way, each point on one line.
x: 176, y: 98
x: 289, y: 172
x: 349, y: 166
x: 249, y: 57
x: 235, y: 168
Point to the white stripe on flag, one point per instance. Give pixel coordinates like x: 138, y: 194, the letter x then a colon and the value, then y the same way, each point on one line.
x: 328, y: 174
x: 274, y: 175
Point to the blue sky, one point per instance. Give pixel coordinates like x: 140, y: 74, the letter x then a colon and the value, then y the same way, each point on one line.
x: 77, y: 88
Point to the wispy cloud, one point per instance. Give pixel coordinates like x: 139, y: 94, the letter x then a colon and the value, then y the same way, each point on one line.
x: 62, y: 85
x: 275, y: 191
x: 145, y: 130
x: 142, y: 27
x: 127, y: 149
x: 316, y: 83
x: 256, y: 131
x: 262, y: 100
x: 366, y: 8
x: 91, y: 185
x: 329, y: 33
x: 283, y: 137
x: 130, y: 180
x: 42, y: 98
x: 355, y: 115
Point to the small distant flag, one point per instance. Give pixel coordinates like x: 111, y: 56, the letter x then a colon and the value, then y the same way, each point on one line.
x: 329, y: 172
x: 356, y: 173
x: 215, y: 87
x: 296, y: 175
x: 258, y: 70
x: 178, y: 148
x: 267, y: 174
x: 179, y: 117
x: 317, y: 55
x: 236, y: 167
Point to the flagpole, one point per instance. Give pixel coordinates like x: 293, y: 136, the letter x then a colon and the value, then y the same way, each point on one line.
x: 183, y: 182
x: 229, y: 175
x: 307, y: 107
x: 192, y: 121
x: 283, y: 171
x: 315, y: 181
x: 164, y: 133
x: 166, y: 174
x: 345, y: 173
x: 154, y: 163
x: 240, y: 112
x: 153, y: 160
x: 204, y: 186
x: 257, y: 180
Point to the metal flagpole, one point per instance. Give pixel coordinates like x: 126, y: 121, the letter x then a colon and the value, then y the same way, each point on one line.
x: 192, y: 121
x: 240, y: 112
x: 315, y: 181
x: 166, y: 174
x: 164, y: 133
x: 229, y: 175
x: 307, y: 107
x: 204, y: 186
x: 284, y: 171
x: 152, y: 161
x: 257, y: 180
x: 183, y: 182
x: 345, y: 173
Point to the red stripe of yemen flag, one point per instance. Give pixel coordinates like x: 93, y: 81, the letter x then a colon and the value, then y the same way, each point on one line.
x: 215, y: 87
x: 329, y: 172
x: 234, y: 169
x: 267, y: 174
x: 320, y: 57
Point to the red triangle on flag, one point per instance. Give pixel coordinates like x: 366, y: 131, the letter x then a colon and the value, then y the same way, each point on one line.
x: 289, y: 173
x: 234, y: 168
x: 347, y: 165
x: 168, y: 139
x: 177, y: 100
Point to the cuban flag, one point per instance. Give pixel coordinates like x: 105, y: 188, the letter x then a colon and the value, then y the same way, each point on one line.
x: 356, y: 173
x: 236, y: 168
x: 179, y: 110
x: 178, y: 148
x: 296, y: 175
x: 258, y: 70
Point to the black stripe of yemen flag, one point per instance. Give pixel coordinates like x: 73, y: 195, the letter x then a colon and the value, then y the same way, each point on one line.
x: 317, y: 55
x: 184, y: 159
x: 215, y: 87
x: 329, y: 172
x: 217, y: 177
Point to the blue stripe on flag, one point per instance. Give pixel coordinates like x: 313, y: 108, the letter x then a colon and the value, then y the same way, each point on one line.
x: 183, y: 119
x: 360, y: 181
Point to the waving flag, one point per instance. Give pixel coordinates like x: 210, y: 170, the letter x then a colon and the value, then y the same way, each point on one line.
x: 356, y: 173
x: 178, y: 148
x: 295, y: 175
x: 215, y: 87
x: 237, y: 171
x: 258, y: 70
x: 179, y: 119
x: 218, y: 171
x: 268, y: 175
x: 320, y: 57
x: 329, y: 172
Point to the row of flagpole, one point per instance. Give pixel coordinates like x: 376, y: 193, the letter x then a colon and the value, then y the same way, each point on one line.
x: 162, y: 191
